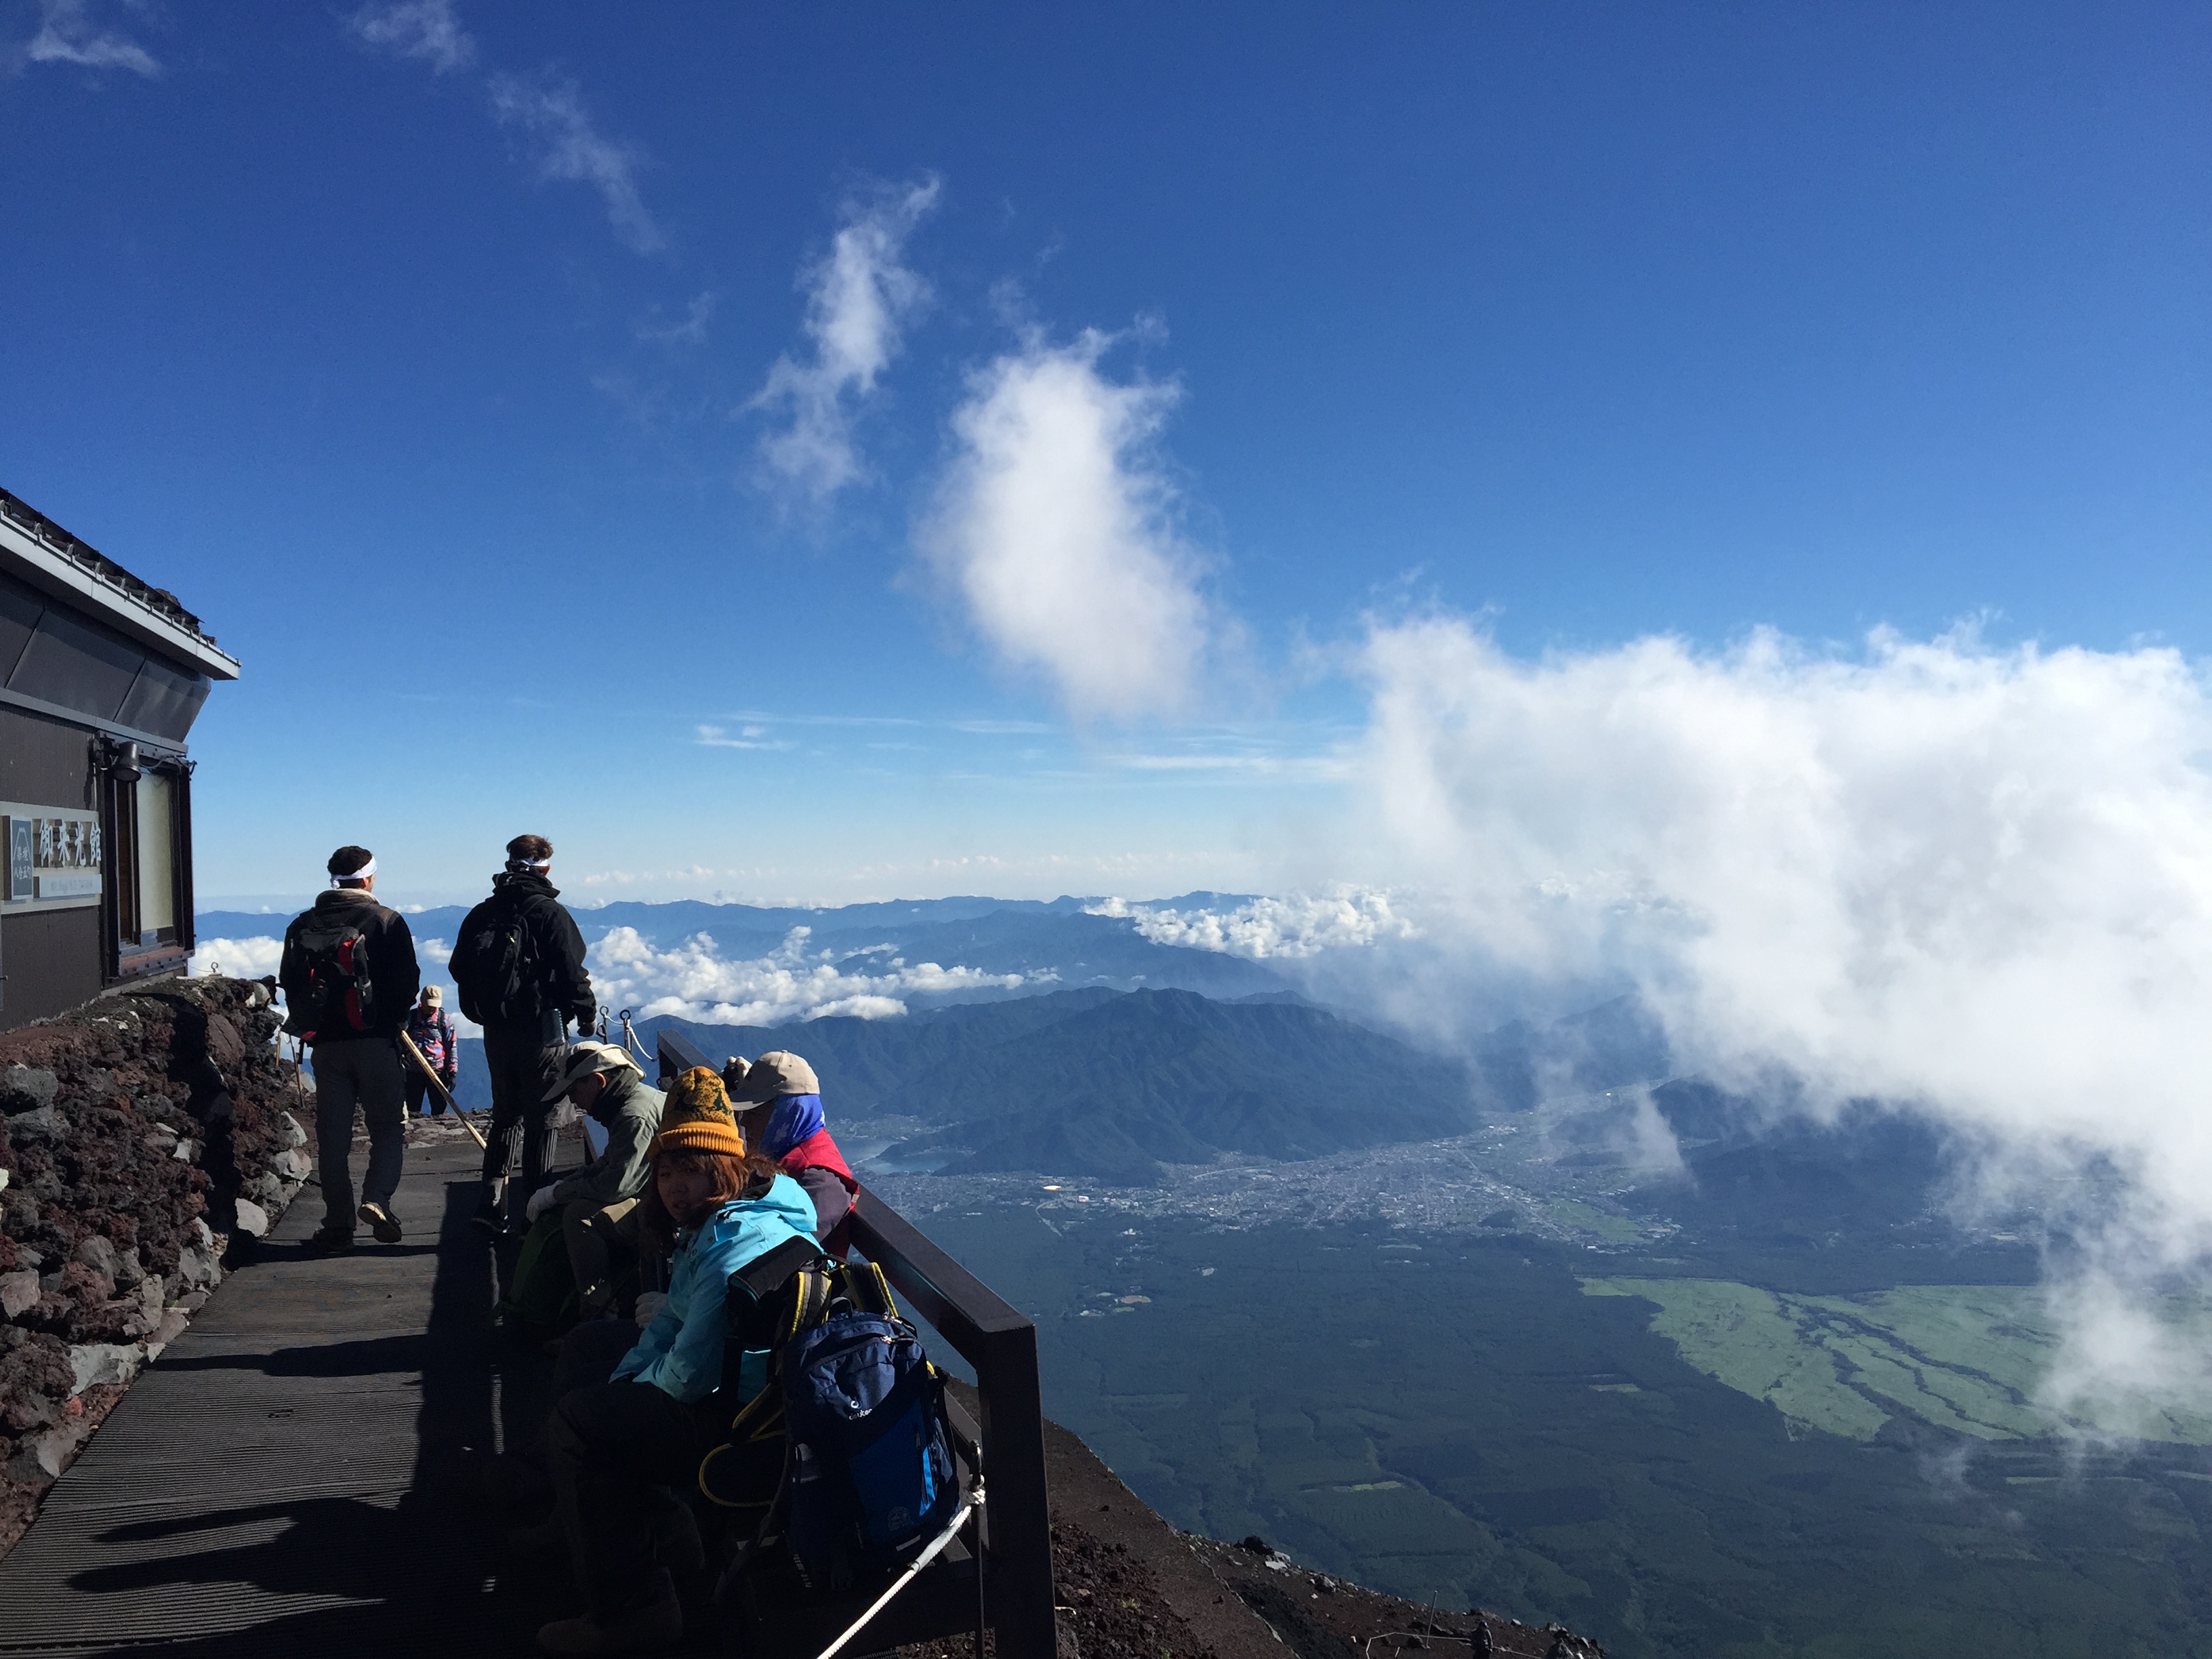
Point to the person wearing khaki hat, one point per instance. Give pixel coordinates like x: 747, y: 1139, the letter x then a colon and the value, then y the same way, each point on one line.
x: 610, y: 1444
x: 431, y: 1029
x: 599, y: 1204
x: 785, y: 1122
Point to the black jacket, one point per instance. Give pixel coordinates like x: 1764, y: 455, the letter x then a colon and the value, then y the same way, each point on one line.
x: 564, y: 983
x: 392, y: 970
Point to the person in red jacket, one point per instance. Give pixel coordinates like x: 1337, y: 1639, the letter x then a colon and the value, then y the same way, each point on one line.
x: 785, y: 1123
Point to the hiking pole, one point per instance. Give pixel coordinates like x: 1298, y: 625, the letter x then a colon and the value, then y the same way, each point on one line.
x: 959, y: 1520
x: 439, y: 1083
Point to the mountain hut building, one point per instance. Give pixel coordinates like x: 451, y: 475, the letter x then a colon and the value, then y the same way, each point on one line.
x: 102, y: 678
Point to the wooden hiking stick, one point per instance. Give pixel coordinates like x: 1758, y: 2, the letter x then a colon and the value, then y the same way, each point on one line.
x: 439, y: 1083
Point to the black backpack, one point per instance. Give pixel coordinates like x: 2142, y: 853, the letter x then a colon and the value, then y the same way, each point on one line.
x: 331, y: 954
x: 494, y: 964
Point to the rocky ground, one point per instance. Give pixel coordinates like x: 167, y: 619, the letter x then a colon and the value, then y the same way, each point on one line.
x: 1130, y: 1586
x: 142, y: 1137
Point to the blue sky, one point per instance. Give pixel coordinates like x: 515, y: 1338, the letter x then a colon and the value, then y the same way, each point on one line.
x: 421, y: 349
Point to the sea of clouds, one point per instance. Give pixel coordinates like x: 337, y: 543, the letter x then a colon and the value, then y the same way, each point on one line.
x: 693, y: 979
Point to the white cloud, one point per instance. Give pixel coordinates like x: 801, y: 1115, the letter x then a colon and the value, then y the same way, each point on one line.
x: 1295, y: 927
x: 1975, y: 882
x: 695, y: 981
x: 1055, y: 526
x: 692, y: 330
x: 549, y: 109
x: 858, y: 299
x: 67, y: 33
x: 748, y: 737
x: 428, y: 29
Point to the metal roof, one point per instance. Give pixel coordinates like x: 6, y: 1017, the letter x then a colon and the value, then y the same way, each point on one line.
x: 72, y: 569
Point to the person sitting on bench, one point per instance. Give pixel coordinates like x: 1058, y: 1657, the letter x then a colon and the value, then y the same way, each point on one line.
x: 600, y: 1203
x: 614, y: 1451
x: 785, y: 1123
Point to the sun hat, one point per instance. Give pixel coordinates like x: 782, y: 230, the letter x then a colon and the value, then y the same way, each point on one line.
x: 697, y: 1117
x: 776, y: 1073
x: 582, y: 1059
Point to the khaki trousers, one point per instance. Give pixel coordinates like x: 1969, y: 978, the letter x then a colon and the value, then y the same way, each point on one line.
x: 591, y: 1232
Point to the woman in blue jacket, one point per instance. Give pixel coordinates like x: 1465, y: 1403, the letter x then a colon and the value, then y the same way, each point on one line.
x: 719, y: 1206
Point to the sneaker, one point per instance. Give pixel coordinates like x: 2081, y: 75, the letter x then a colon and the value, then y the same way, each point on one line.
x: 381, y: 1222
x: 327, y: 1240
x: 657, y: 1624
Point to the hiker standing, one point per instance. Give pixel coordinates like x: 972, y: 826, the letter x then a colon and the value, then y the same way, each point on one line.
x: 431, y: 1029
x: 518, y: 966
x: 350, y: 976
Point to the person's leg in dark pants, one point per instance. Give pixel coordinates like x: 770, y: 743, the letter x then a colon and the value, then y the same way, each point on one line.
x: 590, y: 1353
x: 383, y: 1088
x: 612, y: 1450
x: 521, y: 1059
x: 418, y: 1089
x: 337, y: 1094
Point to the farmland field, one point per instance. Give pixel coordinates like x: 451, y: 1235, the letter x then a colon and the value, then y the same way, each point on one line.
x: 1680, y: 1466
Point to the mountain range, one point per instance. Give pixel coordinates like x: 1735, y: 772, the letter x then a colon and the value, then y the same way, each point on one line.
x: 1108, y: 1084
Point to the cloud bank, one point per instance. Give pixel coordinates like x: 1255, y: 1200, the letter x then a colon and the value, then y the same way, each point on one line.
x: 695, y: 981
x: 549, y: 110
x: 1294, y: 928
x: 858, y: 300
x: 69, y: 33
x: 429, y: 30
x: 1053, y: 526
x: 1971, y: 881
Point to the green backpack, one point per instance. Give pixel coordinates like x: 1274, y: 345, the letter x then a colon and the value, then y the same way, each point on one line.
x: 541, y: 1299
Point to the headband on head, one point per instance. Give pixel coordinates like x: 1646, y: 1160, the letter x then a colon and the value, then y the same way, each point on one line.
x: 366, y: 870
x: 530, y: 864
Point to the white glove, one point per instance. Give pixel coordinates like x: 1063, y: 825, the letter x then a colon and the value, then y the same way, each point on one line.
x: 540, y: 1202
x: 649, y: 1304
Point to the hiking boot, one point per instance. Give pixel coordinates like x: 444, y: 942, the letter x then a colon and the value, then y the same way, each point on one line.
x: 327, y: 1240
x: 489, y: 1218
x: 381, y: 1222
x: 657, y: 1624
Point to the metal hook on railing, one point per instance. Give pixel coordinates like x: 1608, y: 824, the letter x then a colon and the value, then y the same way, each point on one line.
x: 630, y: 1036
x: 600, y: 1030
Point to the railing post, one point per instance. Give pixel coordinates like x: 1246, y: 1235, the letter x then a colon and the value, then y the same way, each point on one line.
x: 1019, y: 1581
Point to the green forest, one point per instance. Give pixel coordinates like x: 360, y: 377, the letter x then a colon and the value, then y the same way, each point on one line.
x: 1679, y: 1466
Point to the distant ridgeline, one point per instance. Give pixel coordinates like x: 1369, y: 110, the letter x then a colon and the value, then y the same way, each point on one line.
x: 993, y: 936
x: 1119, y: 1052
x: 1110, y: 1084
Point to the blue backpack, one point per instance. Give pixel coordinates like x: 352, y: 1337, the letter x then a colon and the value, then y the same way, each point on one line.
x: 867, y: 1475
x: 871, y: 1478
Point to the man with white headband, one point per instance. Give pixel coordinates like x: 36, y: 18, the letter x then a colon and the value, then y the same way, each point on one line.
x: 518, y: 966
x: 349, y: 978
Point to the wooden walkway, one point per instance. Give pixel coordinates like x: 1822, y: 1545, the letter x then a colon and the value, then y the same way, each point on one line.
x: 302, y: 1472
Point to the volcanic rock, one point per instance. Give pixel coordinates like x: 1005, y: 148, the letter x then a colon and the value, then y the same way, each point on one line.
x: 130, y: 1129
x: 42, y: 1126
x: 27, y: 1088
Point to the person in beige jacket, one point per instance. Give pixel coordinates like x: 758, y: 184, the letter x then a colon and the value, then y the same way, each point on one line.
x: 599, y: 1203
